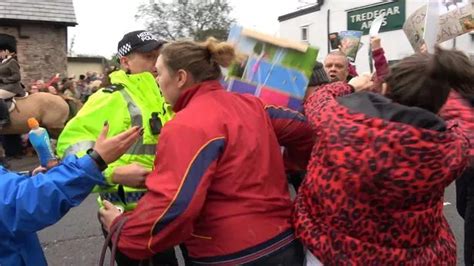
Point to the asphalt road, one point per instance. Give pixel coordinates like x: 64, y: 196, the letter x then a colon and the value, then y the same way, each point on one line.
x: 77, y: 238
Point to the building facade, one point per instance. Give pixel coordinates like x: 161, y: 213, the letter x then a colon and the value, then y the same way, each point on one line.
x: 40, y: 30
x: 314, y: 23
x: 80, y: 65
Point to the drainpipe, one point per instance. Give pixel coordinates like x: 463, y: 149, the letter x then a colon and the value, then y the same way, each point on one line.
x: 328, y: 29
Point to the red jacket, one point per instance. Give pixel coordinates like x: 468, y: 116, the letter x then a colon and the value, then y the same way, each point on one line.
x: 374, y: 190
x: 219, y: 183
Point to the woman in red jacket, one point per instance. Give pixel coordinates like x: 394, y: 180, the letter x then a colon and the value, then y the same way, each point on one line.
x: 219, y: 183
x: 374, y: 189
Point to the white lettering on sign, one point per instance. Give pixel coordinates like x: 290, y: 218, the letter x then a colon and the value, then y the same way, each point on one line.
x: 391, y: 11
x: 367, y: 24
x: 396, y: 10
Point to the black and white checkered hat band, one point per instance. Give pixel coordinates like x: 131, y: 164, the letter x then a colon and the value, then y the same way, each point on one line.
x: 124, y: 50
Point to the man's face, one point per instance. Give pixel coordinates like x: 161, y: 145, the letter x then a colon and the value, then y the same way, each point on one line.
x: 336, y: 68
x: 141, y: 62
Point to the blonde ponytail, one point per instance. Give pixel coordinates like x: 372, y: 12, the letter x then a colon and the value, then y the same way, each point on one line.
x: 201, y: 60
x: 222, y: 53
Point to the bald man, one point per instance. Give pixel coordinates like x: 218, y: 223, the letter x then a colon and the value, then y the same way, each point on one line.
x: 336, y: 66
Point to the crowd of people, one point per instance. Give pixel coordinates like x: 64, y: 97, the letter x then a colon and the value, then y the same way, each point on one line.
x: 203, y: 169
x: 71, y: 86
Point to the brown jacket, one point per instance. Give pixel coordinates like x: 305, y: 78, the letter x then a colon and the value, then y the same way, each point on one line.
x: 10, y: 76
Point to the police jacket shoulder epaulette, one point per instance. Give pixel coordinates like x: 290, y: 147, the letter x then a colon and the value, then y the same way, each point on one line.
x: 113, y: 88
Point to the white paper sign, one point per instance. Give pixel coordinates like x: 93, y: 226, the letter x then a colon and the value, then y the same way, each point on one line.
x: 431, y: 24
x: 376, y: 25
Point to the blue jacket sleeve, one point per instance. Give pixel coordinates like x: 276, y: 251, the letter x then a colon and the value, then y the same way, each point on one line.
x: 29, y: 204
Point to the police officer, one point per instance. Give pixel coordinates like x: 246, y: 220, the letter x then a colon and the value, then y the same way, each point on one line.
x: 132, y: 99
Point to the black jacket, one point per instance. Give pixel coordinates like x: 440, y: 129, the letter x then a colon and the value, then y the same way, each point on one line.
x: 10, y: 76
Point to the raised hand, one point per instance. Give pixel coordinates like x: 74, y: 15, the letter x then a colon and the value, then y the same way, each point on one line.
x: 375, y: 43
x: 110, y: 149
x: 345, y: 46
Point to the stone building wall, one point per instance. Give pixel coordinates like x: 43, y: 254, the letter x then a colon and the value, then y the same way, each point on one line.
x: 41, y: 49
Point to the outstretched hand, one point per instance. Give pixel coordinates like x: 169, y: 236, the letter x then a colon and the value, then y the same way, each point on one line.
x: 110, y: 149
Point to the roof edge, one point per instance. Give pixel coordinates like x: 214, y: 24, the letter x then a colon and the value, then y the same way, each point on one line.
x: 13, y: 21
x: 87, y: 59
x: 301, y: 12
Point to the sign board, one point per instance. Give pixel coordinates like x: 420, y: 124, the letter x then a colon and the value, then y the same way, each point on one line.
x: 273, y: 69
x: 350, y: 40
x: 361, y: 19
x: 452, y: 23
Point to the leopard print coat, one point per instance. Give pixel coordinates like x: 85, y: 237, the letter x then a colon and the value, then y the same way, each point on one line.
x: 373, y: 194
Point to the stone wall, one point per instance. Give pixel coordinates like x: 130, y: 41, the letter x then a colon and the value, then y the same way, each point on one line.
x: 41, y: 49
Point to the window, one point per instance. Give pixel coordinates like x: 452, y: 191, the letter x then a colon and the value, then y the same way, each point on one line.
x: 304, y: 33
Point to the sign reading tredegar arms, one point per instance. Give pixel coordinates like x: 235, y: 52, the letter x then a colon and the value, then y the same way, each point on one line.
x: 361, y: 18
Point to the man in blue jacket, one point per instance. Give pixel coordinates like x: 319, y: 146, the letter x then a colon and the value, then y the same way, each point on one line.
x: 29, y: 204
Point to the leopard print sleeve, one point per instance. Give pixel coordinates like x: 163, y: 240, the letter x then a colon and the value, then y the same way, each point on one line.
x: 322, y: 97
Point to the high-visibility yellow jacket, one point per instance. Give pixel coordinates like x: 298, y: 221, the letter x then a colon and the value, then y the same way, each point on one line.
x: 131, y: 101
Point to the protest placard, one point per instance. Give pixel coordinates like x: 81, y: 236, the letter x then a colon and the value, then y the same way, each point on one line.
x: 274, y: 69
x: 350, y: 41
x: 452, y: 23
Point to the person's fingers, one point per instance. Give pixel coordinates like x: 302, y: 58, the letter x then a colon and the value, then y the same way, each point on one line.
x: 144, y: 172
x: 107, y: 205
x: 138, y: 169
x: 122, y: 137
x: 366, y: 76
x: 39, y: 170
x: 104, y: 132
x: 132, y: 138
x: 102, y: 212
x: 102, y: 219
x: 373, y: 77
